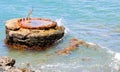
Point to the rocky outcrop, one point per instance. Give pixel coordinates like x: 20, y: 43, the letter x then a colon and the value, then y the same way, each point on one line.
x: 6, y: 61
x: 7, y: 65
x: 26, y: 38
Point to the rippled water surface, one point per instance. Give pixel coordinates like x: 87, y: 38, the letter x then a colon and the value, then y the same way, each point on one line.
x: 95, y: 21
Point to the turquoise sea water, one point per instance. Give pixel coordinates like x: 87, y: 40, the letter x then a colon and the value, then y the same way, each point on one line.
x: 95, y: 21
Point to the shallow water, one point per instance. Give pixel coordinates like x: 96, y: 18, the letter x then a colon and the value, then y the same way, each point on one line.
x: 95, y: 21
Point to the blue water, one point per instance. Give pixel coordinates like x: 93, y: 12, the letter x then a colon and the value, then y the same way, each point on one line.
x: 95, y: 21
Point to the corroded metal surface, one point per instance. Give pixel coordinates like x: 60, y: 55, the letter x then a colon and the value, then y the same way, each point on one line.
x: 36, y: 23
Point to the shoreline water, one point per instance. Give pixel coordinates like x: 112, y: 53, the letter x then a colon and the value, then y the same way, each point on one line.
x: 92, y: 21
x: 113, y: 56
x: 113, y: 64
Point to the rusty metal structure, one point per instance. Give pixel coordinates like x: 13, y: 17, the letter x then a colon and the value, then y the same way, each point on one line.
x: 32, y: 33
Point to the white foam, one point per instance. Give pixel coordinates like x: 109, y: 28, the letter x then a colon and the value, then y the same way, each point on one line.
x: 115, y: 59
x: 94, y: 44
x: 60, y: 23
x: 117, y: 56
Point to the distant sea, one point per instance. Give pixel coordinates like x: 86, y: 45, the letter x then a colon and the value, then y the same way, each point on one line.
x: 94, y: 21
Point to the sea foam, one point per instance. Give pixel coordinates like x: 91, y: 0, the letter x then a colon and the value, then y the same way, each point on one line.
x: 61, y: 23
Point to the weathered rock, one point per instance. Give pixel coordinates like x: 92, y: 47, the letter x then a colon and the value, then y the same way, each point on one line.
x: 19, y: 70
x: 7, y: 65
x: 7, y: 61
x: 27, y: 37
x: 12, y: 24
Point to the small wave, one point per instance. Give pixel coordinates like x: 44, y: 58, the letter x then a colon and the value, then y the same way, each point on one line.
x: 61, y: 67
x: 60, y: 23
x: 116, y: 54
x: 115, y: 63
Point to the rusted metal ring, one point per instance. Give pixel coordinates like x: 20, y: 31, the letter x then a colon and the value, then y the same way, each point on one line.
x: 22, y: 23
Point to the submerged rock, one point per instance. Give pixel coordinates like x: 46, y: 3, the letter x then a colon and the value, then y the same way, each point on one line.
x: 32, y: 33
x: 74, y: 44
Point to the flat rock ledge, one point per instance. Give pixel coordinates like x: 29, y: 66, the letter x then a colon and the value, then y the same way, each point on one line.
x: 34, y: 39
x: 7, y: 65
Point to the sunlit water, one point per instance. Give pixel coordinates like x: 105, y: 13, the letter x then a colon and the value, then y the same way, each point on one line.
x: 95, y: 21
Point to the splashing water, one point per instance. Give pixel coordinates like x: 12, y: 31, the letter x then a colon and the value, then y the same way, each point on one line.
x: 61, y: 23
